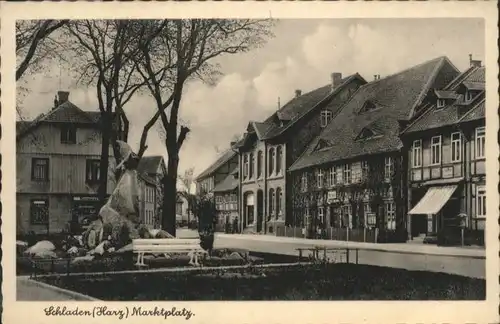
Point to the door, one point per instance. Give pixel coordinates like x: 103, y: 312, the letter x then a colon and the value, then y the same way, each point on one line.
x: 260, y: 209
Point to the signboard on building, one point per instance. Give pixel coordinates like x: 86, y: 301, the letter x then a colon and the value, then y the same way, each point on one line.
x: 332, y: 196
x: 448, y: 172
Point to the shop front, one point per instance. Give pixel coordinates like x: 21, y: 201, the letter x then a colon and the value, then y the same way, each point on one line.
x: 84, y: 210
x: 437, y: 212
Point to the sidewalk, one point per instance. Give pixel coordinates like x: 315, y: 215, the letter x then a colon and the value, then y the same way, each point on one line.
x: 31, y: 290
x: 425, y: 249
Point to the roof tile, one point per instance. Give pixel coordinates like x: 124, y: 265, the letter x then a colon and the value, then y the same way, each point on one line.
x: 395, y: 97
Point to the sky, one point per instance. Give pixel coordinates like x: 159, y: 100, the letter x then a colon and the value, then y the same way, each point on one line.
x: 302, y: 55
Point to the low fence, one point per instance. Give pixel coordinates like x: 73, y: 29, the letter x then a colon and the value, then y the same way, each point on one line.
x: 338, y: 234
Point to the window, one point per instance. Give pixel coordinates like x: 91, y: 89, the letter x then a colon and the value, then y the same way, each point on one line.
x: 364, y: 170
x: 245, y: 166
x: 389, y: 168
x: 279, y: 197
x: 68, y: 134
x: 39, y: 212
x: 417, y: 154
x: 279, y: 158
x: 347, y: 216
x: 319, y: 178
x: 40, y: 169
x: 390, y: 216
x: 321, y: 215
x: 93, y: 171
x: 436, y: 150
x: 178, y: 208
x: 272, y: 198
x: 303, y: 182
x: 347, y: 173
x: 326, y: 117
x: 481, y: 201
x: 480, y: 142
x: 440, y: 103
x: 468, y: 96
x: 259, y: 164
x: 456, y: 147
x: 333, y: 177
x: 271, y: 160
x: 251, y: 166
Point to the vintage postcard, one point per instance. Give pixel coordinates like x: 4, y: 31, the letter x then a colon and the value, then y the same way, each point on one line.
x: 337, y: 159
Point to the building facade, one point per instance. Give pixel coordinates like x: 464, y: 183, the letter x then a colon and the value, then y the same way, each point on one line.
x: 446, y: 160
x: 151, y: 170
x: 226, y: 200
x: 57, y: 168
x: 353, y: 174
x: 268, y: 148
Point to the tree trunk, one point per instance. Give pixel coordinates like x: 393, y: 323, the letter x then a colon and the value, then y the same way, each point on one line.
x: 103, y: 166
x: 170, y: 192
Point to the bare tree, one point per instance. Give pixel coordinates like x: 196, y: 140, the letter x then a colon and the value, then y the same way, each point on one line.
x: 33, y: 42
x: 177, y: 52
x: 104, y: 51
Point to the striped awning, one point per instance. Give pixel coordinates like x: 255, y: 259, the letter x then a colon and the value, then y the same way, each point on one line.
x: 434, y: 200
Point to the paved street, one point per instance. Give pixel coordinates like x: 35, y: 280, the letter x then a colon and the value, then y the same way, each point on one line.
x: 461, y: 261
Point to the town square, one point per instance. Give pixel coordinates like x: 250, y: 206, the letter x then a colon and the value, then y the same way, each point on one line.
x: 250, y: 159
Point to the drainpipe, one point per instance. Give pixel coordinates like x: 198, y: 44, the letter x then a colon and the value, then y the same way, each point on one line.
x: 265, y: 193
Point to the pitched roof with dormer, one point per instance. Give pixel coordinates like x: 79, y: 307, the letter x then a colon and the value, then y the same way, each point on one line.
x: 456, y: 109
x: 282, y: 120
x: 376, y: 107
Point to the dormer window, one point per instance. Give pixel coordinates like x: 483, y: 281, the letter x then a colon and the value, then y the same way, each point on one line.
x: 326, y: 117
x: 367, y: 133
x: 322, y: 144
x: 440, y: 103
x: 468, y: 96
x: 368, y: 106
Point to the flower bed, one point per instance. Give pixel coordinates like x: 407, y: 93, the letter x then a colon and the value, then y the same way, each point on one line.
x: 301, y: 282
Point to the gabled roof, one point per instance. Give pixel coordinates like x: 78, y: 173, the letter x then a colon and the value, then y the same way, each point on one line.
x: 452, y: 113
x: 66, y: 112
x: 223, y: 158
x: 397, y: 96
x: 282, y: 120
x: 228, y: 184
x: 149, y: 164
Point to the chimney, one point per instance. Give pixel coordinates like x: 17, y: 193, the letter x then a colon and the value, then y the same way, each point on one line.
x: 56, y: 103
x: 336, y: 79
x: 474, y: 63
x: 63, y: 96
x: 298, y: 93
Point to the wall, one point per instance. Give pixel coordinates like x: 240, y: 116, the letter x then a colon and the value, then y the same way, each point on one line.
x: 67, y: 162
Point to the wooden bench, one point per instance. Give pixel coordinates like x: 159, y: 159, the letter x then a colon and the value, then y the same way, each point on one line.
x: 165, y: 246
